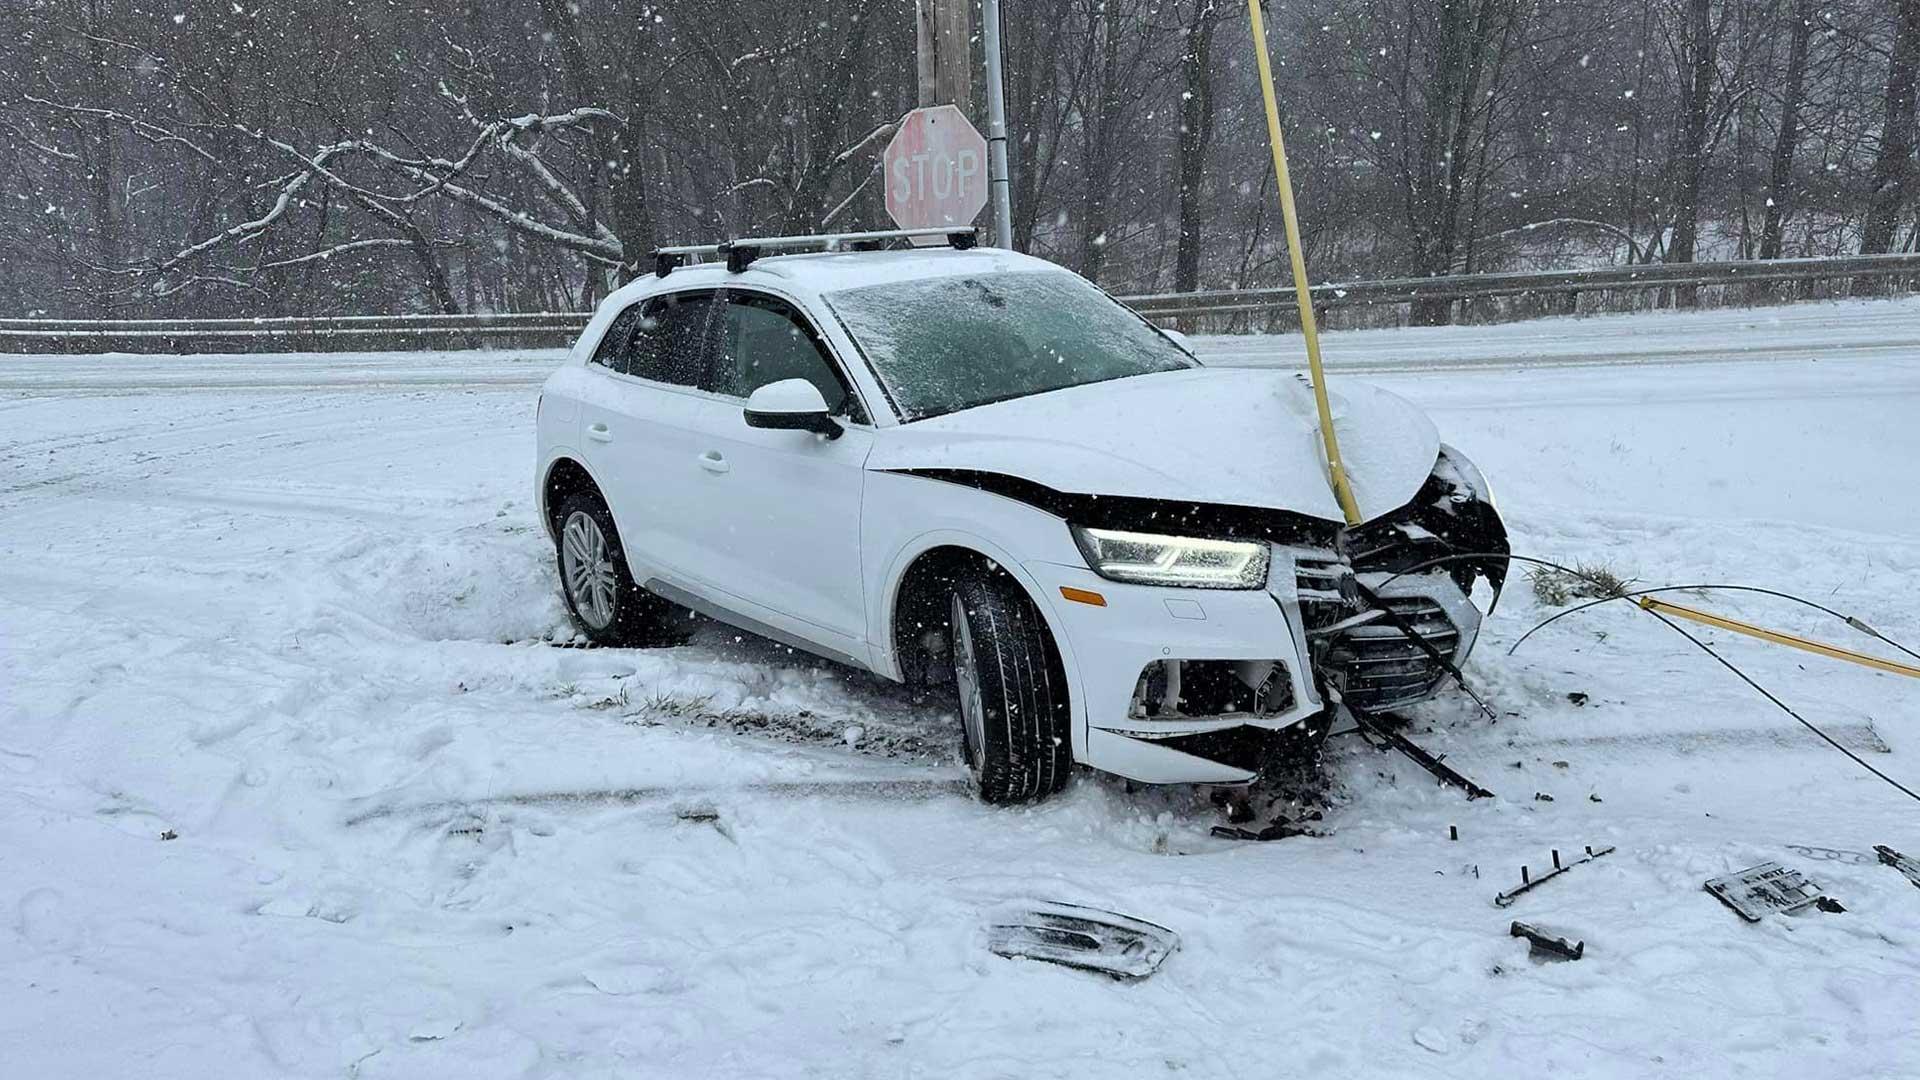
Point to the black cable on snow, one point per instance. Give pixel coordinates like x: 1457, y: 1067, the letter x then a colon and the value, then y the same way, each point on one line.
x: 1850, y: 620
x: 1804, y: 722
x: 1630, y: 594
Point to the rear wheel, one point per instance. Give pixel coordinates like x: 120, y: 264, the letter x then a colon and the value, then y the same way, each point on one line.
x: 1012, y: 696
x: 606, y: 603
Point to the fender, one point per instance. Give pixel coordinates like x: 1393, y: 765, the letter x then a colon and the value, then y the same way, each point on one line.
x: 886, y: 663
x: 882, y: 641
x: 965, y: 518
x: 554, y: 456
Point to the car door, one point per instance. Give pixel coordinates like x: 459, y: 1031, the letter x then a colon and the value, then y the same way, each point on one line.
x: 782, y: 518
x: 642, y: 430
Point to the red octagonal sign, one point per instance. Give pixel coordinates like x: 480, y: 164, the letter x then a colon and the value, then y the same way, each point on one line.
x: 936, y: 169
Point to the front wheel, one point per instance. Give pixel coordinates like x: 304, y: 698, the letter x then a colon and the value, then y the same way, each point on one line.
x: 1012, y: 693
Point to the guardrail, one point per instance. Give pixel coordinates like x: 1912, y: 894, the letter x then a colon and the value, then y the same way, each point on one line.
x: 1554, y: 292
x: 1565, y: 285
x: 329, y: 334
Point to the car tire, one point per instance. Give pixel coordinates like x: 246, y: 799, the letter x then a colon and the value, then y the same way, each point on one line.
x: 1010, y: 691
x: 607, y: 605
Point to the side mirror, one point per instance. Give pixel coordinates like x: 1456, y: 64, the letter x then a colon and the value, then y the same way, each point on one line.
x: 791, y: 405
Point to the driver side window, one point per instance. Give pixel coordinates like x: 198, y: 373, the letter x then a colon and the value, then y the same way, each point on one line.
x: 763, y: 340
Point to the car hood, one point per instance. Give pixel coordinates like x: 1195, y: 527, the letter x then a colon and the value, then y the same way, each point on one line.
x: 1233, y: 436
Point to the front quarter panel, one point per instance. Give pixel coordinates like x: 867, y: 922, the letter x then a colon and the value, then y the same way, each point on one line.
x: 906, y: 516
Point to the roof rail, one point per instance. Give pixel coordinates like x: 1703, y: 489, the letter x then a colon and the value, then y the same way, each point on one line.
x: 741, y: 252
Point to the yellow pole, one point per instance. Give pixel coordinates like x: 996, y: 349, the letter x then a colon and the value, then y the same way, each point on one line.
x: 1709, y: 619
x: 1308, y: 329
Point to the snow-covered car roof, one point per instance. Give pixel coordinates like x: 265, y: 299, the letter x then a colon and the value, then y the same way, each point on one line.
x: 805, y: 276
x: 825, y: 272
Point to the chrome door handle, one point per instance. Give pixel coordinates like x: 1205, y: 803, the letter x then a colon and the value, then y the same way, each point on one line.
x: 714, y: 462
x: 599, y: 433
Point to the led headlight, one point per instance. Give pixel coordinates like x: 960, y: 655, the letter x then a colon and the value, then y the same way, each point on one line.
x: 1149, y: 559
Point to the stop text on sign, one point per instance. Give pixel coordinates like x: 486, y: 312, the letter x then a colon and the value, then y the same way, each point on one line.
x: 935, y: 170
x: 925, y: 175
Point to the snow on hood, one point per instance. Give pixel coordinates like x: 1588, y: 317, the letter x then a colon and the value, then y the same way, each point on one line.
x: 1235, y: 436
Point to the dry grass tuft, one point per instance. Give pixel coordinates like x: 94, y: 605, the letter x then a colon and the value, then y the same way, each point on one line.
x: 1588, y: 581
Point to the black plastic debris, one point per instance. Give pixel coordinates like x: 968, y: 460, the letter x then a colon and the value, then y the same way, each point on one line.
x: 1380, y: 728
x: 1279, y: 830
x: 1528, y: 882
x: 1902, y: 863
x: 1757, y: 891
x: 1545, y: 946
x: 1088, y: 939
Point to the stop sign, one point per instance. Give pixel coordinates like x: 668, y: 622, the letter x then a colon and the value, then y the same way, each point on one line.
x: 936, y: 168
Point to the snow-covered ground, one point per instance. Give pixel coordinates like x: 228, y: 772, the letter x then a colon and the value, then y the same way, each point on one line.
x: 290, y: 611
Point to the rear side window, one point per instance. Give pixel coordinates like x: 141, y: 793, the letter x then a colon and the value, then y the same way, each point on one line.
x: 663, y: 338
x: 671, y: 343
x: 612, y: 353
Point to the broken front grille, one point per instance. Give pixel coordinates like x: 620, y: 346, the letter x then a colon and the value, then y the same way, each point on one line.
x: 1375, y: 666
x: 1361, y: 655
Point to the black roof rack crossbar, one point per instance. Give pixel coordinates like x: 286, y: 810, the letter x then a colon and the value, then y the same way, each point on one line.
x: 740, y: 253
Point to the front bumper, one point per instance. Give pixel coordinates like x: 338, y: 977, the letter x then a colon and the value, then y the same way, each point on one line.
x: 1294, y: 622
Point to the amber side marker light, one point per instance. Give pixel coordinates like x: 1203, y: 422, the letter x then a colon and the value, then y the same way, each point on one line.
x: 1083, y: 596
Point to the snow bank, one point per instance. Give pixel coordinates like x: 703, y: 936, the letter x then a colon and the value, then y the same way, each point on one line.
x: 312, y: 637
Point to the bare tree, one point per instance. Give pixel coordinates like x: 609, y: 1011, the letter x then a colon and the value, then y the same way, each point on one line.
x: 1780, y: 194
x: 1893, y: 164
x: 305, y: 157
x: 1196, y: 136
x: 1697, y: 43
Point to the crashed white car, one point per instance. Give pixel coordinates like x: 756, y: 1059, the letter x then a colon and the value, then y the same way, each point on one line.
x: 967, y: 468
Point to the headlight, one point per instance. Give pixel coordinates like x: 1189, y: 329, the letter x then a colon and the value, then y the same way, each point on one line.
x: 1149, y: 559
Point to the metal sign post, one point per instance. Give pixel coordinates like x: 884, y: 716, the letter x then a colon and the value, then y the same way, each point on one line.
x: 997, y: 127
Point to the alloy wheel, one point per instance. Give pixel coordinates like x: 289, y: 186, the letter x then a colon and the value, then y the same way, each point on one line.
x: 591, y: 582
x: 973, y: 710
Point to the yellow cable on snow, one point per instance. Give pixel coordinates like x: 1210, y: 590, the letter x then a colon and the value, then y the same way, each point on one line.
x: 1335, y: 469
x: 1707, y: 618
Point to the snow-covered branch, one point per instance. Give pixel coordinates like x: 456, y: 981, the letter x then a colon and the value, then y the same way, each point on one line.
x: 336, y: 250
x: 245, y: 230
x: 1615, y: 231
x: 884, y: 131
x: 153, y: 133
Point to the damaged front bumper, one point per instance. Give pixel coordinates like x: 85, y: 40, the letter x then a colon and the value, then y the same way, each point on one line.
x: 1182, y: 686
x: 1178, y: 685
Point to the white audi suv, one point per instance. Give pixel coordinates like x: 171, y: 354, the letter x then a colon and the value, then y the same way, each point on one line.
x: 970, y: 469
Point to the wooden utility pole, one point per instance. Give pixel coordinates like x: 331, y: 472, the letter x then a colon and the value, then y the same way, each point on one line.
x: 946, y: 52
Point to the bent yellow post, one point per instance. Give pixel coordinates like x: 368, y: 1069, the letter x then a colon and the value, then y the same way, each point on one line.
x: 1707, y: 618
x: 1336, y: 470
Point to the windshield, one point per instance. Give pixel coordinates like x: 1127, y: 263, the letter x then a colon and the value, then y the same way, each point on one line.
x: 945, y: 344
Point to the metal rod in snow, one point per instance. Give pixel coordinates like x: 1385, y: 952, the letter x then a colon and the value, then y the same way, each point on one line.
x: 997, y: 128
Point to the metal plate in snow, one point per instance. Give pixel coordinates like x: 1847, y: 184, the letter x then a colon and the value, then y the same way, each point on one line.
x: 1080, y: 937
x: 1768, y: 887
